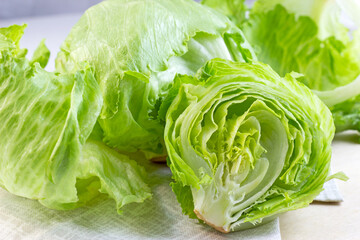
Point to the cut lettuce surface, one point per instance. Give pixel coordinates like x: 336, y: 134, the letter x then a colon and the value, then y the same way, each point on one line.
x: 245, y: 144
x: 136, y: 47
x: 47, y: 118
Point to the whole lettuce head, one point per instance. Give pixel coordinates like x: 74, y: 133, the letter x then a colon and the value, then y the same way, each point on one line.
x: 47, y: 150
x: 135, y: 48
x: 245, y: 144
x: 308, y: 37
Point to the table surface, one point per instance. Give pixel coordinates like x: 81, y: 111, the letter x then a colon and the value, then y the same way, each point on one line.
x: 319, y: 220
x: 332, y: 221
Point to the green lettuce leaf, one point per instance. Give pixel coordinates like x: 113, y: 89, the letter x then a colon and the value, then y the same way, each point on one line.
x: 294, y: 46
x: 324, y: 13
x: 136, y: 48
x: 247, y: 143
x: 41, y: 55
x: 235, y: 9
x: 10, y: 39
x: 307, y: 37
x: 184, y: 197
x: 347, y: 114
x: 47, y: 119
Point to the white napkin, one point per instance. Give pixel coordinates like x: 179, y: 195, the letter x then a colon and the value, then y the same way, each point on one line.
x: 159, y: 218
x: 331, y: 193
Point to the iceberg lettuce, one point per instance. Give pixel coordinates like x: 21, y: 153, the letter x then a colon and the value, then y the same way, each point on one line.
x: 245, y: 144
x: 308, y: 37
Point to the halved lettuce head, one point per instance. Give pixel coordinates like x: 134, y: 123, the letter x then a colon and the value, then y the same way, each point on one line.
x: 46, y: 120
x: 308, y: 37
x: 245, y: 144
x: 135, y: 48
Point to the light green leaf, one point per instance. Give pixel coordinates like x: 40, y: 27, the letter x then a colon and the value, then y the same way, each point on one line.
x: 325, y: 14
x: 347, y: 114
x: 184, y: 197
x: 10, y: 39
x: 47, y: 119
x: 13, y: 33
x: 41, y: 55
x: 234, y: 9
x: 338, y: 175
x: 136, y: 48
x: 294, y: 46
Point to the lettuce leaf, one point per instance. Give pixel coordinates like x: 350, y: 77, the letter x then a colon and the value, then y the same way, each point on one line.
x: 41, y: 55
x: 324, y: 13
x: 234, y: 9
x: 47, y: 119
x: 294, y: 45
x: 136, y: 48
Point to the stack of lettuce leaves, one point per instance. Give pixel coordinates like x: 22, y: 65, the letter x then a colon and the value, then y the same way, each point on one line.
x: 47, y: 120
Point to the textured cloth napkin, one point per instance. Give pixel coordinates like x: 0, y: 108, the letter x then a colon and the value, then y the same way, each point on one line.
x: 330, y: 194
x: 158, y: 218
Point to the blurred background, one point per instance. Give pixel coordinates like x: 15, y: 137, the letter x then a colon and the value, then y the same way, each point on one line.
x: 29, y: 8
x: 32, y: 8
x: 51, y: 20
